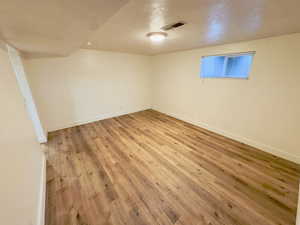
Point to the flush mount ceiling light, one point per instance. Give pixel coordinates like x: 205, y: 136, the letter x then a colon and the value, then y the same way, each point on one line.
x: 157, y: 36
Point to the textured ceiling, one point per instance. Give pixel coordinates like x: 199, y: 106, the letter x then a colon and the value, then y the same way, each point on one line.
x: 53, y: 27
x: 58, y: 27
x: 209, y: 22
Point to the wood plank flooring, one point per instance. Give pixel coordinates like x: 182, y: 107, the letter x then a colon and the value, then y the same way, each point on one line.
x: 147, y: 168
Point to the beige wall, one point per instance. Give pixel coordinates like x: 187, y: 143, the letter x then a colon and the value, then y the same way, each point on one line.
x: 89, y: 85
x: 263, y: 111
x: 21, y: 157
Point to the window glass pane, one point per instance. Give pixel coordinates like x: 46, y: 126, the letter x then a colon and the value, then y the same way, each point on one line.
x: 212, y: 66
x: 238, y: 66
x: 233, y: 66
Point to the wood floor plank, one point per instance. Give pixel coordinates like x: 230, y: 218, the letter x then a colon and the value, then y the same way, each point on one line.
x: 148, y: 168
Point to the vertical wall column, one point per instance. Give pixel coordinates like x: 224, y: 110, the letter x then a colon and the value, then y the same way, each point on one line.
x: 17, y: 65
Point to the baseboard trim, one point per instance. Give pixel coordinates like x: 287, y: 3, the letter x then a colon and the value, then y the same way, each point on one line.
x: 96, y: 118
x: 261, y: 146
x: 44, y: 139
x: 264, y: 147
x: 42, y: 195
x: 298, y: 209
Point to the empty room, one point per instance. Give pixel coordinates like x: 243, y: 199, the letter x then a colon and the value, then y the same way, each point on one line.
x: 150, y: 112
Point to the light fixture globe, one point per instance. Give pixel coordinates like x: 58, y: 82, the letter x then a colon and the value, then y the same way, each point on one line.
x: 157, y: 36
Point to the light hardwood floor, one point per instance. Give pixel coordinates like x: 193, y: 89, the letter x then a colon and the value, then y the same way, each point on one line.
x: 147, y: 168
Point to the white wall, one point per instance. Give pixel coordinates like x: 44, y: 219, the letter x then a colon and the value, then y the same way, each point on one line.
x: 18, y: 67
x: 263, y: 111
x: 89, y: 85
x: 21, y: 158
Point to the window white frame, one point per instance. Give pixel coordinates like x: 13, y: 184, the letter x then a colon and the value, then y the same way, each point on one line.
x: 224, y: 67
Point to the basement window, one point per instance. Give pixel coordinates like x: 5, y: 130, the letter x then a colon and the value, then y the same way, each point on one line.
x: 227, y: 66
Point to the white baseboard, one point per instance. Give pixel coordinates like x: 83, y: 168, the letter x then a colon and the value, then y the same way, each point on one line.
x: 261, y: 146
x: 43, y: 139
x: 96, y: 118
x: 264, y: 147
x: 298, y: 210
x: 42, y: 195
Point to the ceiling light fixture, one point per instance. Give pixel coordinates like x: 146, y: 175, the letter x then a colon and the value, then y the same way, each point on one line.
x: 157, y: 36
x: 89, y: 43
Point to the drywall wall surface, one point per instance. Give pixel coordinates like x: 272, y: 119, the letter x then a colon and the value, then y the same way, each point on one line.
x: 18, y: 68
x: 89, y: 85
x: 21, y: 157
x: 262, y: 111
